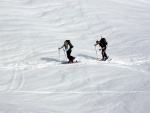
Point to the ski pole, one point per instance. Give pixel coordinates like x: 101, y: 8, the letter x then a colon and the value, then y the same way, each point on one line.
x: 96, y: 53
x: 59, y: 54
x: 65, y: 54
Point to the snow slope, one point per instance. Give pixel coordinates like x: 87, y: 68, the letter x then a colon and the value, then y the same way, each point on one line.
x: 34, y: 81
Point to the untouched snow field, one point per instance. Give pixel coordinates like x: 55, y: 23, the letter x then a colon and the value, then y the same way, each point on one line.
x: 33, y: 80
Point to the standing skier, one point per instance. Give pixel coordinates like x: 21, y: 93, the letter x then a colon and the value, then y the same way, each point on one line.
x: 103, y: 44
x: 68, y: 48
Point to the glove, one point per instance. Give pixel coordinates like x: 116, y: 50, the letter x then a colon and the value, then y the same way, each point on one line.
x: 58, y: 48
x: 94, y: 44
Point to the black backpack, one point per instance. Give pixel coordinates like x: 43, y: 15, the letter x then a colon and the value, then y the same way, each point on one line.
x: 103, y: 41
x: 71, y: 46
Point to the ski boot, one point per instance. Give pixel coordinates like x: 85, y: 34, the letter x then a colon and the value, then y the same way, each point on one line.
x: 73, y: 59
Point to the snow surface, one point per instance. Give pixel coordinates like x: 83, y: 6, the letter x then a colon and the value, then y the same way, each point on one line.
x: 32, y: 79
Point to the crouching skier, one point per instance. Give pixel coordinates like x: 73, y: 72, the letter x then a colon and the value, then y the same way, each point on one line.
x: 103, y: 44
x: 68, y: 48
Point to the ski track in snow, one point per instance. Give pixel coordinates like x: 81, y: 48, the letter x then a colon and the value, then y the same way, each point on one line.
x: 79, y: 92
x: 125, y: 63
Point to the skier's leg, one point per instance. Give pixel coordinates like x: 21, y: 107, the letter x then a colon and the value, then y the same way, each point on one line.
x: 69, y: 56
x: 72, y: 57
x: 103, y: 57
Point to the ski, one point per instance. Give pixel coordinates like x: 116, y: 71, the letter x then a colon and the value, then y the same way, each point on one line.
x: 66, y: 62
x: 106, y: 60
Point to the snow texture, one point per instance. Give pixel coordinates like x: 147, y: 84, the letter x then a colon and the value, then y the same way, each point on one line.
x: 32, y: 78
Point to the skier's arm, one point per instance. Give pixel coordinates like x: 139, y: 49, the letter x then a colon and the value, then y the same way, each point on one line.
x: 95, y: 44
x: 61, y: 47
x: 102, y: 48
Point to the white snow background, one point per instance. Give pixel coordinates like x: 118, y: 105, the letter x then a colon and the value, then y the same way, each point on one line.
x: 33, y: 80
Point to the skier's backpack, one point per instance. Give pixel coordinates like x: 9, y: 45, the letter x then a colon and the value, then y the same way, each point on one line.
x: 103, y: 41
x: 71, y: 46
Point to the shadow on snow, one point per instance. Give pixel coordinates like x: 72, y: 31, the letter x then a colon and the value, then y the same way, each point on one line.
x: 86, y: 56
x: 50, y: 59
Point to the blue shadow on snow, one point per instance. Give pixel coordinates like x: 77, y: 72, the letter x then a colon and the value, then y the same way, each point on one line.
x: 49, y: 59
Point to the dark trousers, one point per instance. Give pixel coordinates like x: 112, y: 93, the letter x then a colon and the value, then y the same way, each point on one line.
x: 104, y: 55
x: 69, y: 56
